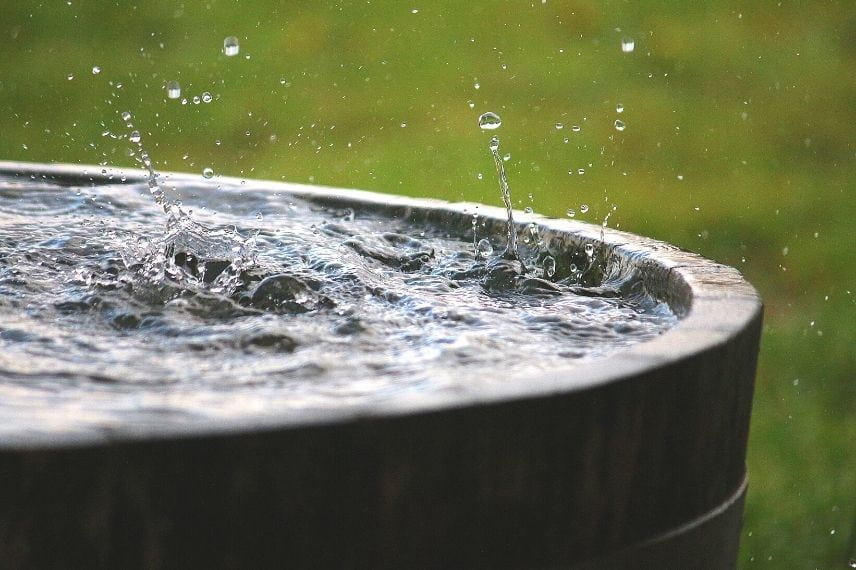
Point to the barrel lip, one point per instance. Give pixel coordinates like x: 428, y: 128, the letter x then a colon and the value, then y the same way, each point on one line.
x: 716, y: 303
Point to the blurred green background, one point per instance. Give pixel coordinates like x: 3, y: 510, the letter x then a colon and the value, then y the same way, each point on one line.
x: 738, y: 144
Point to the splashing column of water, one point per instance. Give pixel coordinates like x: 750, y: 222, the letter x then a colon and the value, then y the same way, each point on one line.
x: 488, y: 122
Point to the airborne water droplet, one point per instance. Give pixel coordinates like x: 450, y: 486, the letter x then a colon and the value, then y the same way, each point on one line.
x: 173, y: 90
x: 619, y: 108
x: 571, y: 212
x: 619, y: 125
x: 584, y: 208
x: 576, y: 128
x: 549, y: 266
x: 135, y: 137
x: 471, y: 104
x: 231, y: 46
x: 207, y: 172
x: 628, y: 44
x: 126, y: 116
x: 489, y: 121
x: 559, y: 126
x: 484, y: 248
x: 96, y: 70
x: 494, y: 143
x: 206, y: 97
x: 528, y: 210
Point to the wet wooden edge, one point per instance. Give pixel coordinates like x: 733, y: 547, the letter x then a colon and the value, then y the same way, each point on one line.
x: 714, y: 301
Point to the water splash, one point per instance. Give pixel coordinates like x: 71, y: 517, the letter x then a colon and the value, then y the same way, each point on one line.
x: 491, y: 121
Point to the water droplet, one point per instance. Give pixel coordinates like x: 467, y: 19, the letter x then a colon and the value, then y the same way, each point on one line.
x: 126, y: 116
x: 571, y: 212
x: 206, y: 97
x: 589, y: 249
x: 628, y: 44
x: 619, y: 125
x: 484, y: 248
x: 559, y: 126
x: 96, y: 70
x: 415, y: 11
x: 494, y: 143
x: 619, y: 108
x: 476, y: 85
x: 479, y: 175
x: 207, y: 172
x: 231, y: 46
x: 403, y: 125
x: 259, y: 216
x: 549, y: 266
x: 196, y: 100
x: 70, y: 76
x: 489, y: 121
x: 576, y: 128
x: 584, y: 208
x: 173, y: 90
x: 506, y: 157
x: 852, y: 563
x: 135, y: 137
x: 680, y: 176
x: 581, y: 171
x: 471, y: 104
x: 528, y: 210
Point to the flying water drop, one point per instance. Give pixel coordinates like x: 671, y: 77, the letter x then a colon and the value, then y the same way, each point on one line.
x: 489, y: 121
x: 628, y: 44
x: 584, y: 208
x: 619, y: 125
x: 549, y: 266
x: 173, y: 90
x: 231, y: 46
x: 96, y: 70
x: 619, y: 108
x: 207, y: 173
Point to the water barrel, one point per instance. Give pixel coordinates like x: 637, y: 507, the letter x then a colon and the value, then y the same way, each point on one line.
x: 633, y: 461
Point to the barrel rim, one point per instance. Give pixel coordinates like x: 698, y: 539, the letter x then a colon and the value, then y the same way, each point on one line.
x: 716, y: 302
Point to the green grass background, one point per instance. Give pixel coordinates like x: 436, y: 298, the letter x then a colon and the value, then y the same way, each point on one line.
x: 739, y: 145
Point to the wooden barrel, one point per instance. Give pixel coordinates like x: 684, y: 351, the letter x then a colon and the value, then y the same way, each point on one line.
x: 636, y: 460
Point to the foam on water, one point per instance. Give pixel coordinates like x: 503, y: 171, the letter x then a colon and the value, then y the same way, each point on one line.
x: 260, y: 302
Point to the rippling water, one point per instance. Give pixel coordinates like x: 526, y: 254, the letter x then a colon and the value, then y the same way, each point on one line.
x: 257, y: 302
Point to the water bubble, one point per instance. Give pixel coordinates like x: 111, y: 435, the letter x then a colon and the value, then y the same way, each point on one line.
x: 559, y: 126
x: 207, y: 172
x: 96, y: 70
x: 571, y: 212
x: 628, y: 44
x: 484, y: 248
x: 173, y: 90
x: 619, y: 108
x: 489, y: 121
x: 584, y: 208
x: 549, y: 266
x: 135, y: 137
x: 494, y: 143
x: 619, y: 125
x: 231, y: 46
x: 206, y: 97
